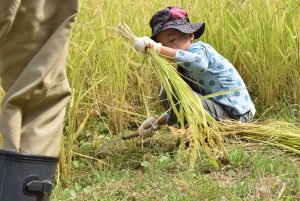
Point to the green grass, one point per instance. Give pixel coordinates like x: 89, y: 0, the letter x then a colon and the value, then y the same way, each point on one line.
x: 151, y: 171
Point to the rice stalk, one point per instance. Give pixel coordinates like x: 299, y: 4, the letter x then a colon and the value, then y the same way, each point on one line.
x: 205, y: 136
x: 276, y: 133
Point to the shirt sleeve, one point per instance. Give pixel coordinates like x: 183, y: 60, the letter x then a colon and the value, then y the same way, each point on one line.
x: 196, y: 58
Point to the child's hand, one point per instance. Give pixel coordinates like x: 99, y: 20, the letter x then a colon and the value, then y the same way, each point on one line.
x: 141, y: 43
x: 146, y: 129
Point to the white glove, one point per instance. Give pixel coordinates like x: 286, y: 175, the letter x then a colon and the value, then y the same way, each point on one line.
x: 141, y: 43
x: 147, y: 127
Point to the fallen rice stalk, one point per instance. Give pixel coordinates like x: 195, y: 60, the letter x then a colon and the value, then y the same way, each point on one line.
x: 276, y: 133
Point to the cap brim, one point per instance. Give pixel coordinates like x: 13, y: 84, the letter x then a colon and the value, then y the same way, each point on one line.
x: 197, y: 28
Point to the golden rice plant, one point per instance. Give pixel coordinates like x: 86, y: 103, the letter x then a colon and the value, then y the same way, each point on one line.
x: 276, y: 133
x: 205, y: 136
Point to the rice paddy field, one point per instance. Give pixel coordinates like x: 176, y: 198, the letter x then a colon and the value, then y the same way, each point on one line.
x: 115, y: 89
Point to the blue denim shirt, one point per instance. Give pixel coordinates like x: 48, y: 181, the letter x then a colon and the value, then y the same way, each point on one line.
x: 212, y: 73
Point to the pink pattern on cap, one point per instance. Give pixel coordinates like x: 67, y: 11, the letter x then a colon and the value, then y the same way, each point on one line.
x: 177, y: 13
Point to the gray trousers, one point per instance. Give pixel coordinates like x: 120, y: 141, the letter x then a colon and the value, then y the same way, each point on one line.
x: 216, y: 110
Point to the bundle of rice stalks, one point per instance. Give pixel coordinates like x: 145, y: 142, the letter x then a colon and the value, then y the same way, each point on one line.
x: 276, y: 133
x: 204, y: 133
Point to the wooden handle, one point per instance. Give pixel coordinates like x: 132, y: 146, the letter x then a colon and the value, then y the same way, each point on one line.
x: 126, y: 137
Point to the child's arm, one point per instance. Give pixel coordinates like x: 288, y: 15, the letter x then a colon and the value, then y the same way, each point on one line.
x: 168, y: 52
x: 195, y: 58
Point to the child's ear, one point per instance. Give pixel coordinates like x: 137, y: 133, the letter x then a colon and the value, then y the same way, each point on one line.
x: 191, y: 36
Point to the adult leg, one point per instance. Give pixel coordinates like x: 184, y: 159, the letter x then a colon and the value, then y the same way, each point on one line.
x: 33, y: 51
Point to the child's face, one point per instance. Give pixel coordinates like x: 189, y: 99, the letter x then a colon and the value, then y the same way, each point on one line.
x: 174, y: 39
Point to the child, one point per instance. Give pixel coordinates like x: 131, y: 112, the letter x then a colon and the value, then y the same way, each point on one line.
x: 173, y: 36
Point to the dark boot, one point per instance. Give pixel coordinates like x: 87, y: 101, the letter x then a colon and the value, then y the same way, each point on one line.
x: 26, y: 177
